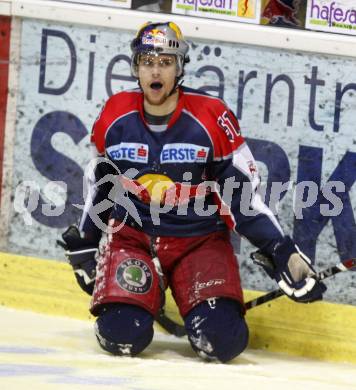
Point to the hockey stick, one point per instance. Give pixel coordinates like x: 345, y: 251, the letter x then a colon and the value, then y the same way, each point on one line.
x: 331, y: 271
x: 169, y: 325
x: 179, y: 331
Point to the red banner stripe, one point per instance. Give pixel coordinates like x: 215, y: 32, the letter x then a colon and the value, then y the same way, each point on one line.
x: 5, y: 25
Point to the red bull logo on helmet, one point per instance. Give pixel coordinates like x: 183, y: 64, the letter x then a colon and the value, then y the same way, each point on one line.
x: 154, y: 37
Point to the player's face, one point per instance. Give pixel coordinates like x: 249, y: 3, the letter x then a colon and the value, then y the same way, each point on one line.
x: 157, y: 74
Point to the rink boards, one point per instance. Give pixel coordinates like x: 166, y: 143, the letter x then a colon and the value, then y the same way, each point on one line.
x: 60, y: 74
x: 287, y: 131
x: 320, y: 330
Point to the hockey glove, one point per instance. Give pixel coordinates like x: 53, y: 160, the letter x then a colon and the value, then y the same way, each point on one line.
x: 293, y: 272
x: 81, y: 253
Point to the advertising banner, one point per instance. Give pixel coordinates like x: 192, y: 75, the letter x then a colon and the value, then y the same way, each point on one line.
x: 283, y: 13
x: 5, y: 25
x: 296, y: 110
x: 107, y: 3
x: 332, y: 16
x: 247, y: 11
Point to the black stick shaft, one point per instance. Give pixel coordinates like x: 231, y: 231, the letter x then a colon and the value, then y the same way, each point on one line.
x: 169, y: 325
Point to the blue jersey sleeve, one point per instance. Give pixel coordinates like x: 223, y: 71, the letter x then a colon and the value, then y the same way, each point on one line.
x: 242, y: 207
x: 99, y: 178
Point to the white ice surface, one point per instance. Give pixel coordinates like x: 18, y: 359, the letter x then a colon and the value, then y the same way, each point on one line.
x: 44, y: 352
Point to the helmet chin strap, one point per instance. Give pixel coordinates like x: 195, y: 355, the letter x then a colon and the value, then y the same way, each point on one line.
x: 176, y: 85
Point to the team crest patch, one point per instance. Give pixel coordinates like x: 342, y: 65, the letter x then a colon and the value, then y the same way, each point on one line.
x: 135, y: 276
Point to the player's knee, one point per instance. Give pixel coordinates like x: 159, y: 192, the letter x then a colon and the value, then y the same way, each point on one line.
x: 123, y: 329
x: 217, y: 330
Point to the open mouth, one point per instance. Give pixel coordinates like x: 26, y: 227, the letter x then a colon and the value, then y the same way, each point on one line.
x: 156, y: 85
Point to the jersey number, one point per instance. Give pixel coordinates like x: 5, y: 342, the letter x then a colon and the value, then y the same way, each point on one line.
x: 225, y: 123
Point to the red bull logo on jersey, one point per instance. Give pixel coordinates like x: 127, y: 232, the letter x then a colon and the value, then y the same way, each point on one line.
x: 160, y: 189
x: 184, y: 153
x: 130, y: 151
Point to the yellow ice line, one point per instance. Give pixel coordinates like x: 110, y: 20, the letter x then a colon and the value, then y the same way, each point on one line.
x: 320, y: 330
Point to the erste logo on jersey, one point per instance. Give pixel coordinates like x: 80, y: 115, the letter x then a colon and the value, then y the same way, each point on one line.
x: 184, y: 153
x: 130, y: 151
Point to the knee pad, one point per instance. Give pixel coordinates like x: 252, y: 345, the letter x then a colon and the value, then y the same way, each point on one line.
x: 216, y: 329
x: 123, y: 329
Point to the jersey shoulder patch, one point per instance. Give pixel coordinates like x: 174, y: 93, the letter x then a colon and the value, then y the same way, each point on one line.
x: 218, y: 121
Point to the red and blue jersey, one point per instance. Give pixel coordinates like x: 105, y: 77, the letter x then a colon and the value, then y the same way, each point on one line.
x: 190, y: 179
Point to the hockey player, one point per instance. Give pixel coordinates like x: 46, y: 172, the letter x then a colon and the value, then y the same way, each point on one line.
x: 173, y: 165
